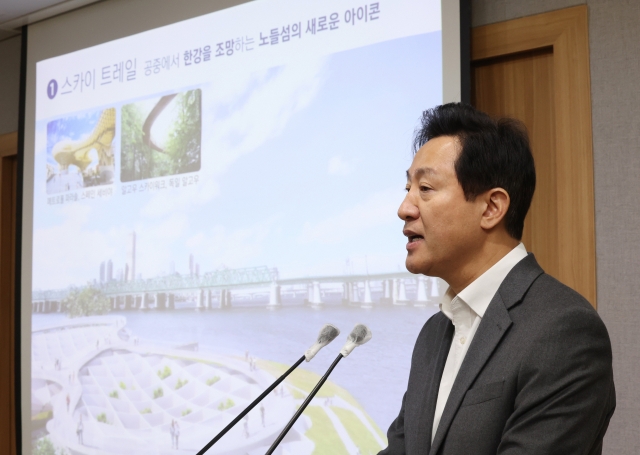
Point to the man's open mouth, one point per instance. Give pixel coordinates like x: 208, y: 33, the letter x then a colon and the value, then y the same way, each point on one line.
x: 415, y: 238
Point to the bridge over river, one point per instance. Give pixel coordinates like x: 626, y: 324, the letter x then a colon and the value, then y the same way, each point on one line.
x: 263, y: 286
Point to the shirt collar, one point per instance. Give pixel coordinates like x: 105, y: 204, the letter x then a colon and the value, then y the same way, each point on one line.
x: 479, y: 293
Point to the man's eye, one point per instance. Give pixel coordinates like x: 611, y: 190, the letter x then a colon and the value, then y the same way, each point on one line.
x: 407, y: 188
x: 424, y: 188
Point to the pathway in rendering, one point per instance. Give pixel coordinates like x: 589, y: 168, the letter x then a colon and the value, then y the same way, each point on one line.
x: 111, y: 393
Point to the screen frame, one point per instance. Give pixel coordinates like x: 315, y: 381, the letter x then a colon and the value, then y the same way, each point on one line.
x: 456, y: 29
x: 18, y: 260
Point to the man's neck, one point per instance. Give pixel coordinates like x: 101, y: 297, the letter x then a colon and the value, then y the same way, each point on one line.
x: 487, y: 257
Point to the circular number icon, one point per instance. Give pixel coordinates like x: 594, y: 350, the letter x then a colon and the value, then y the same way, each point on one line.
x: 52, y: 89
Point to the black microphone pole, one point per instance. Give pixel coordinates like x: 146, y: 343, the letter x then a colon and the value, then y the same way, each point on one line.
x: 304, y: 405
x: 251, y: 406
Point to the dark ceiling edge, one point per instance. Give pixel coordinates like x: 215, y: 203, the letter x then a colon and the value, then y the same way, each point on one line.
x: 51, y: 15
x: 17, y: 34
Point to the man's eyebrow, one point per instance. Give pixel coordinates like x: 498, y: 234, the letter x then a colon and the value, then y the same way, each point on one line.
x: 421, y: 171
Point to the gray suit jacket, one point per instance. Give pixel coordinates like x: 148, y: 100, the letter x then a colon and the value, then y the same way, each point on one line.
x: 537, y: 378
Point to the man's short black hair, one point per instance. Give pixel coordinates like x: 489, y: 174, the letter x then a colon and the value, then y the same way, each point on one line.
x: 495, y: 153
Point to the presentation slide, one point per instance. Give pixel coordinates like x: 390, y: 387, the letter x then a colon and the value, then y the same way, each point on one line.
x: 206, y: 196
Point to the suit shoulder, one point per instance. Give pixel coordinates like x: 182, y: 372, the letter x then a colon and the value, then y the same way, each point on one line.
x: 546, y: 289
x: 430, y: 337
x: 557, y: 306
x: 434, y: 321
x: 436, y: 318
x: 434, y: 325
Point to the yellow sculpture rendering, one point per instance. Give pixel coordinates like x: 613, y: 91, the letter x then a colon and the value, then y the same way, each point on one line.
x: 78, y: 152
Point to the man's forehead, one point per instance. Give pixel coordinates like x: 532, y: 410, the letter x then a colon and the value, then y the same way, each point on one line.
x: 420, y: 171
x: 435, y: 158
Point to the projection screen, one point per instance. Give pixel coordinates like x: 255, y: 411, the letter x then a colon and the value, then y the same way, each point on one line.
x: 206, y: 184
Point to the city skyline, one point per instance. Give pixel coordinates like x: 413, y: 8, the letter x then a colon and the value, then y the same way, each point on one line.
x: 128, y: 272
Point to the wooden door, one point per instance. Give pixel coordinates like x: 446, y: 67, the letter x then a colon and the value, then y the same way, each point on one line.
x: 8, y: 188
x: 536, y: 69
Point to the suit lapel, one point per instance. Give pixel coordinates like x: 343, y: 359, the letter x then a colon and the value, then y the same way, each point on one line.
x: 432, y: 384
x: 487, y: 337
x: 494, y: 325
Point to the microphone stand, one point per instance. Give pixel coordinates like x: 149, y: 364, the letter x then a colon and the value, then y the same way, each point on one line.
x: 250, y: 407
x: 304, y: 405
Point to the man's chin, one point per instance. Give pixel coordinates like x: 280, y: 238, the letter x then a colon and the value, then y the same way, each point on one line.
x: 416, y: 267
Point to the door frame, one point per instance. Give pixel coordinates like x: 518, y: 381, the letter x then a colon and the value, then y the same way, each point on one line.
x: 8, y: 150
x: 566, y: 32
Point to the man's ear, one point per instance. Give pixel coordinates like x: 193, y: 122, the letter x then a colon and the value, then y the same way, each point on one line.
x: 497, y: 203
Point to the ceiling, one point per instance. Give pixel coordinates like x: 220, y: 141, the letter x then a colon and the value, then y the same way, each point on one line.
x: 16, y: 13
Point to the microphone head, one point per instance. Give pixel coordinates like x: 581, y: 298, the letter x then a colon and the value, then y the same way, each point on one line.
x: 327, y: 334
x: 358, y: 336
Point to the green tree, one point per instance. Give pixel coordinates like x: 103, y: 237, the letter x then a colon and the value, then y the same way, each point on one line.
x: 183, y: 146
x: 86, y: 301
x: 226, y: 404
x: 137, y: 159
x: 213, y: 380
x: 165, y: 373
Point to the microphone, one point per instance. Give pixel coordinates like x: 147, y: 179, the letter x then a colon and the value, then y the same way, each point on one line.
x: 327, y: 334
x: 358, y: 336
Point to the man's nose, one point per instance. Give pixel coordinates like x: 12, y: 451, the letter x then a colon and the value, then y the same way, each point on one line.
x: 408, y: 210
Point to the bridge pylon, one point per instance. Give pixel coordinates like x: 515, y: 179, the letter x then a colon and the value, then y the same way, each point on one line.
x: 421, y: 297
x: 402, y: 293
x: 435, y: 292
x: 387, y: 291
x: 315, y: 296
x: 143, y: 302
x: 355, y: 293
x: 275, y: 300
x: 201, y: 303
x: 367, y: 303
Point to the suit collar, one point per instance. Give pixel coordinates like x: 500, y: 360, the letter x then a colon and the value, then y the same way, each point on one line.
x: 518, y: 281
x: 493, y: 326
x: 479, y: 293
x: 432, y: 384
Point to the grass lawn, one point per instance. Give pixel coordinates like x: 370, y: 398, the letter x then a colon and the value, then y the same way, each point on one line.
x: 322, y: 433
x: 357, y: 431
x: 306, y: 380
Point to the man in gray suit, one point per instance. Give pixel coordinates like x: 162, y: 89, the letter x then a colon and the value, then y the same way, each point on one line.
x: 515, y: 362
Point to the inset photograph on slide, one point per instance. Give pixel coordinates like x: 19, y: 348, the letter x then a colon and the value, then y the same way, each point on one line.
x: 80, y: 151
x: 161, y: 136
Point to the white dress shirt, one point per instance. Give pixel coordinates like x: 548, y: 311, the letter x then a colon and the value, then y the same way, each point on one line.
x: 466, y: 311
